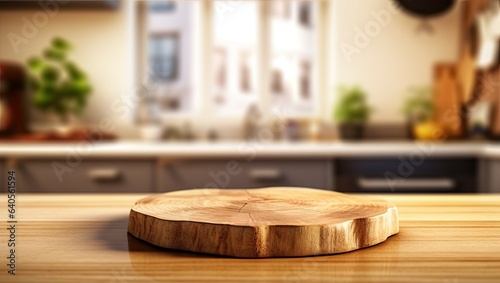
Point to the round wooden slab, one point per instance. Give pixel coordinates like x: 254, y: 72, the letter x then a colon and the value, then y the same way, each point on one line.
x: 270, y: 222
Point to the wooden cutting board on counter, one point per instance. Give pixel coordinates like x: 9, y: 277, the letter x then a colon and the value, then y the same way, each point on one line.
x: 447, y: 101
x: 258, y: 223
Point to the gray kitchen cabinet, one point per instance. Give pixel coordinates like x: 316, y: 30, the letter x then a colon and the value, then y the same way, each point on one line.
x: 90, y: 176
x: 187, y: 174
x: 490, y: 176
x: 399, y: 175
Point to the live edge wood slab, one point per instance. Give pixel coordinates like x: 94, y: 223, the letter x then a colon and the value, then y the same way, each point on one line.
x: 258, y: 223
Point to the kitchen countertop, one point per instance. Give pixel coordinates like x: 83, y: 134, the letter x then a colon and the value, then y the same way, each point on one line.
x: 245, y: 149
x: 83, y: 238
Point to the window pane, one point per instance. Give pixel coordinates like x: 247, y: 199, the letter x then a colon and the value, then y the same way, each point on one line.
x: 234, y: 63
x: 169, y: 36
x: 292, y: 53
x: 163, y: 57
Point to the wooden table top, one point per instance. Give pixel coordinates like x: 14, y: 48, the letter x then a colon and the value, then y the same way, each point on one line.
x: 83, y: 238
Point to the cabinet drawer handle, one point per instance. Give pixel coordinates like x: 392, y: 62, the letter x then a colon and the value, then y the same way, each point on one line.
x: 428, y: 184
x: 266, y: 174
x: 104, y: 175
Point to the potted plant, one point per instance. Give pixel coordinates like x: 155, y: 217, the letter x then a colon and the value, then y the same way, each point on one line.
x: 58, y: 84
x: 351, y: 112
x: 419, y: 111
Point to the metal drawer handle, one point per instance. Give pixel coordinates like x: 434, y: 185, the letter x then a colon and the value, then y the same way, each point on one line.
x: 266, y: 174
x: 104, y: 175
x: 433, y: 184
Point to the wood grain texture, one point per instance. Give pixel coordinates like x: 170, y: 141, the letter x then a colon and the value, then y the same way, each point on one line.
x: 466, y: 65
x: 269, y: 222
x: 83, y: 238
x: 447, y: 100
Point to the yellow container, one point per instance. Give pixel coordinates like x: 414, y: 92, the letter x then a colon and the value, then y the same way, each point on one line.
x: 429, y: 130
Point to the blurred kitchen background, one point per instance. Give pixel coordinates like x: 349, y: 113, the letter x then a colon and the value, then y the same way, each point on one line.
x: 349, y: 95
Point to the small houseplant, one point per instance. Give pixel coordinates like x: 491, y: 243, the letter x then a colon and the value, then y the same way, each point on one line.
x: 351, y: 112
x: 419, y: 107
x: 419, y: 111
x: 58, y: 84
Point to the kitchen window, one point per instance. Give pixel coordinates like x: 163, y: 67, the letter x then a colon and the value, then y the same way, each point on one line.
x: 235, y: 38
x: 163, y: 56
x: 217, y: 58
x: 166, y: 52
x: 293, y: 56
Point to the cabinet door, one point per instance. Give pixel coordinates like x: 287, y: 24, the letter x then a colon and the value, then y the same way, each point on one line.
x: 242, y: 174
x: 401, y: 175
x: 93, y: 176
x: 490, y: 181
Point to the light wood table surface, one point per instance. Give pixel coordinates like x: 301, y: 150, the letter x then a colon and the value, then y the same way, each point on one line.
x: 83, y: 238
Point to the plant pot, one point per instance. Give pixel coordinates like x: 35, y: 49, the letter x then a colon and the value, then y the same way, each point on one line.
x: 63, y: 125
x: 410, y: 127
x: 427, y: 131
x: 151, y: 132
x: 409, y: 130
x: 351, y: 131
x: 63, y: 130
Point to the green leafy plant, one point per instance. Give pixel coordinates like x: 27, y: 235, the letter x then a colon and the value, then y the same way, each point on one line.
x: 352, y: 107
x: 57, y: 83
x: 418, y: 106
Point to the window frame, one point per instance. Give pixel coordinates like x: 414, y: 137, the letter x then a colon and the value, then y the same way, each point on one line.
x: 203, y: 30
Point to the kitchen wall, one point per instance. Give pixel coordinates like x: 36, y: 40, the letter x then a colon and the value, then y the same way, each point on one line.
x: 378, y: 46
x: 102, y: 46
x: 386, y: 61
